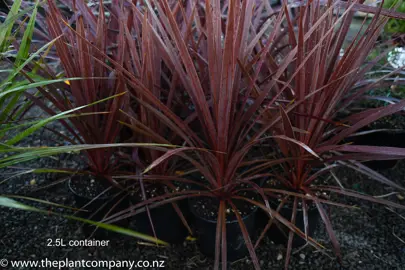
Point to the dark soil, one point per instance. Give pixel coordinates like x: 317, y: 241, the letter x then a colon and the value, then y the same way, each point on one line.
x: 153, y: 190
x: 89, y: 187
x: 323, y: 179
x: 207, y: 208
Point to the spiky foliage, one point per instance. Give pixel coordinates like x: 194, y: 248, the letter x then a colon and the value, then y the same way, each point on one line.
x: 82, y: 55
x: 247, y: 75
x: 230, y: 60
x: 325, y: 74
x: 14, y: 57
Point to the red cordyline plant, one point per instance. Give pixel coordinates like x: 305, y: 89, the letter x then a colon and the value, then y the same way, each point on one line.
x: 211, y: 62
x: 203, y: 52
x: 236, y: 72
x: 96, y: 53
x: 319, y: 82
x: 82, y: 54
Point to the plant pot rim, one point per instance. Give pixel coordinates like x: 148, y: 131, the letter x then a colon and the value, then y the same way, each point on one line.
x: 215, y: 221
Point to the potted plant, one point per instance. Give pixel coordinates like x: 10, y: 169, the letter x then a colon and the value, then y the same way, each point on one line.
x: 216, y: 69
x: 108, y: 179
x: 317, y: 85
x: 99, y: 96
x: 141, y: 125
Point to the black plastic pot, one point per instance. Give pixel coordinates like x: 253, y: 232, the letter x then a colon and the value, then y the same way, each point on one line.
x: 206, y: 232
x: 97, y: 209
x: 383, y: 138
x: 278, y: 233
x: 166, y: 222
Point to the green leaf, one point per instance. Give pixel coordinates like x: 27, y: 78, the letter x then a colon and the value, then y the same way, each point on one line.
x: 7, y: 26
x: 26, y: 62
x: 19, y: 88
x: 28, y: 154
x: 10, y: 203
x: 25, y: 45
x: 44, y: 122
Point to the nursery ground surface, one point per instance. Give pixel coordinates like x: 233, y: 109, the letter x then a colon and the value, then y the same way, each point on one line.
x: 371, y: 238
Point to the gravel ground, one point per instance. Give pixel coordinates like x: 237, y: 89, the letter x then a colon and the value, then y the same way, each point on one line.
x: 370, y: 239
